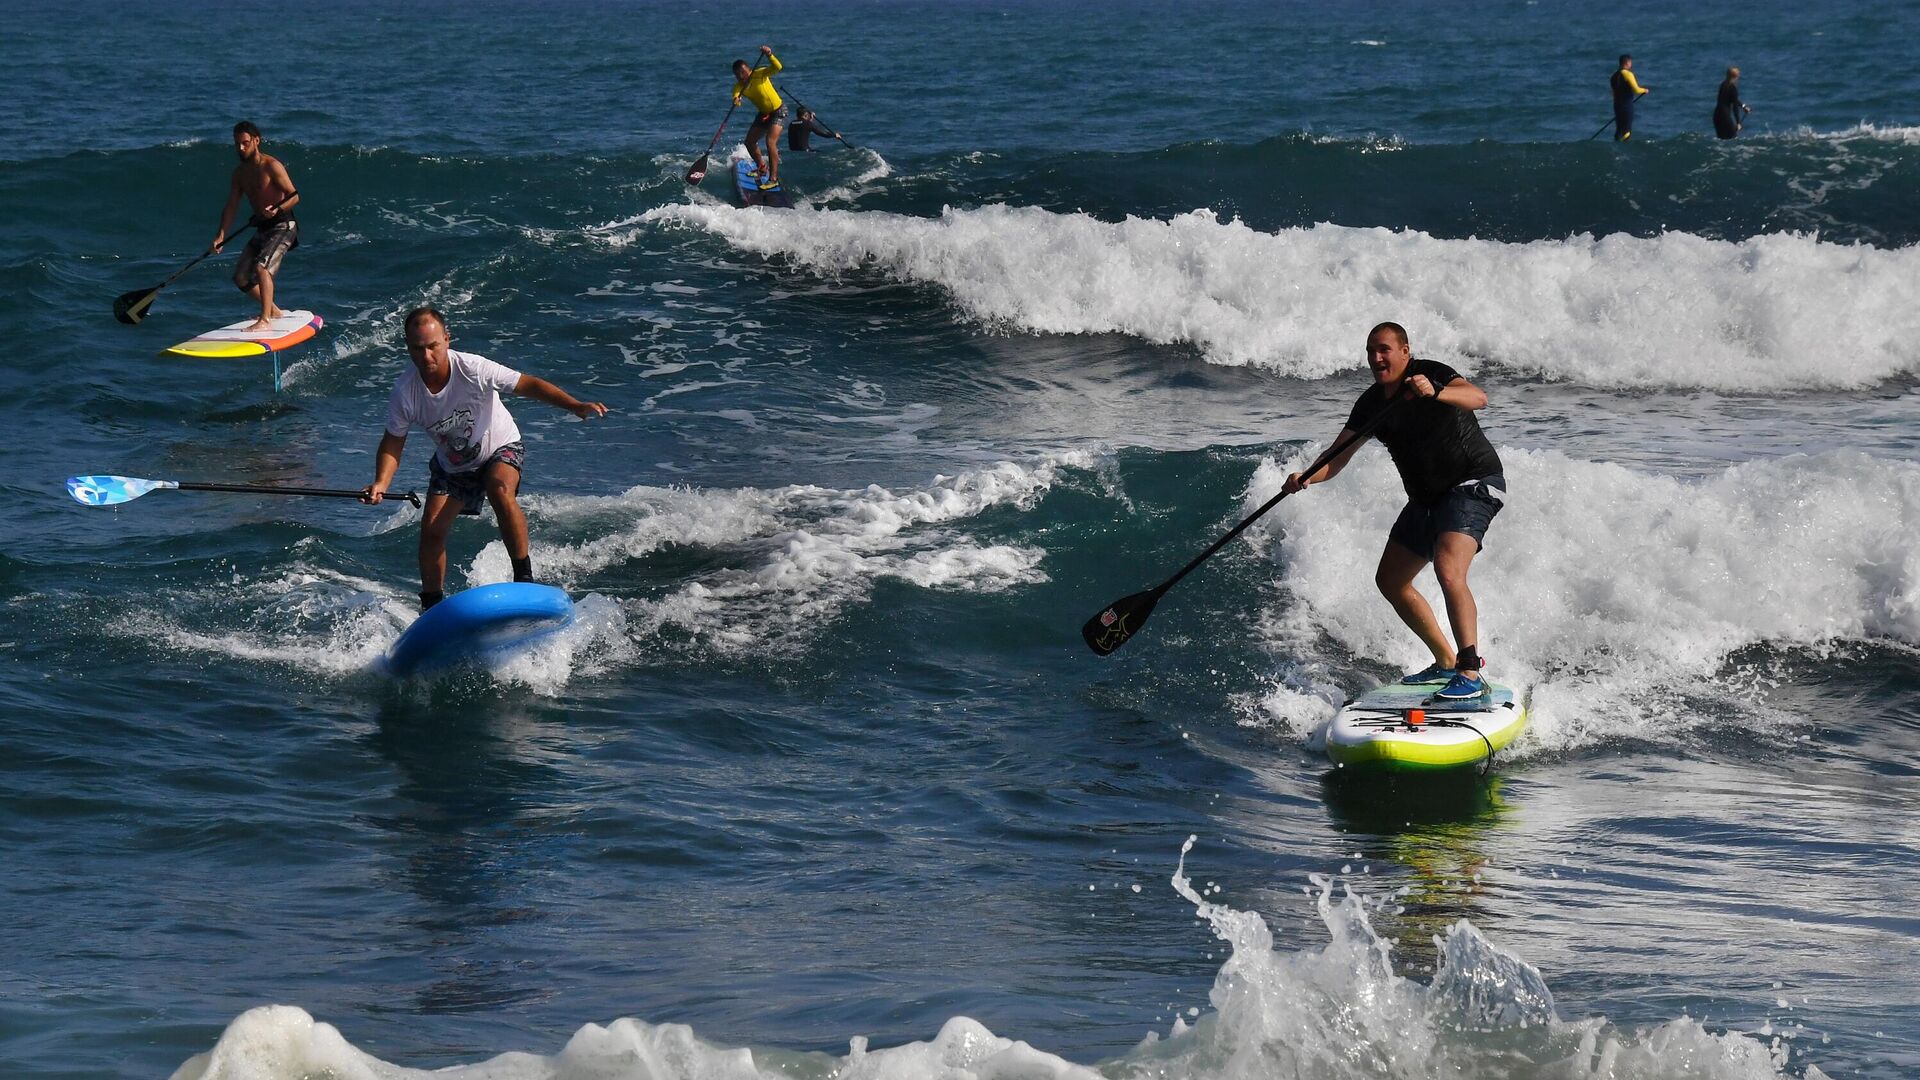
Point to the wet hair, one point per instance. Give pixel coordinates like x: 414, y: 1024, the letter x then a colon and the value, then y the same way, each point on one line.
x: 424, y: 311
x: 1393, y: 328
x: 1624, y: 57
x: 247, y: 127
x: 738, y: 64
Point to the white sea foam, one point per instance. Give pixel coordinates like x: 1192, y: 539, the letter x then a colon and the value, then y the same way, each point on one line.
x: 1674, y: 310
x: 1624, y: 598
x: 1339, y: 1013
x: 341, y: 626
x: 877, y: 168
x: 788, y: 559
x: 1865, y: 132
x: 307, y: 618
x: 790, y: 556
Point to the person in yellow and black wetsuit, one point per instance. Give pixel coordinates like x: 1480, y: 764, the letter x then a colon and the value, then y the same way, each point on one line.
x: 1626, y: 91
x: 756, y: 85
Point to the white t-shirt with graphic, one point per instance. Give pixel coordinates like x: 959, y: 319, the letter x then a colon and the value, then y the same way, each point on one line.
x: 467, y: 419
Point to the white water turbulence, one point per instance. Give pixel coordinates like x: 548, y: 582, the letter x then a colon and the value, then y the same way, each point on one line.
x: 1336, y: 1013
x: 1675, y: 310
x: 1624, y: 593
x: 788, y: 558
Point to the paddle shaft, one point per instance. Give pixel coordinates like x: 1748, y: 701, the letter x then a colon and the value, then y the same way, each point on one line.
x: 175, y: 276
x: 801, y: 106
x: 717, y: 132
x: 1608, y: 124
x: 269, y: 489
x: 1339, y: 447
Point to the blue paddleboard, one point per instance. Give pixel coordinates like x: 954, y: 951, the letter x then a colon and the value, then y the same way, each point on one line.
x: 480, y: 624
x: 746, y: 184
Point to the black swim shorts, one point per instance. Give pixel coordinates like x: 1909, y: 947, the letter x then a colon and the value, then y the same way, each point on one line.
x: 1467, y: 508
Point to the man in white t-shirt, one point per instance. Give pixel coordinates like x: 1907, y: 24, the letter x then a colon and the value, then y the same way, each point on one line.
x: 477, y: 453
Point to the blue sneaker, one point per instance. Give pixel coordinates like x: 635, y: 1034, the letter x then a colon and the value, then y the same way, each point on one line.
x: 1431, y: 674
x: 1462, y: 688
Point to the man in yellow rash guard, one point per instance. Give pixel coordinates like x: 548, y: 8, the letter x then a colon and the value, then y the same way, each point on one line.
x: 756, y: 85
x: 1626, y: 91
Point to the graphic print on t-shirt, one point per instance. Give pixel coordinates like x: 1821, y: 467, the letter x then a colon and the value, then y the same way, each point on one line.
x: 455, y: 436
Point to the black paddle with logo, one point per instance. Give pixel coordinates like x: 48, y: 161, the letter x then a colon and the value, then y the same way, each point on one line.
x: 1123, y: 618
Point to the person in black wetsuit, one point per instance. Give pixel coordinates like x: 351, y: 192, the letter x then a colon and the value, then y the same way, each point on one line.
x: 800, y: 135
x: 1730, y: 113
x: 1626, y: 91
x: 1454, y: 488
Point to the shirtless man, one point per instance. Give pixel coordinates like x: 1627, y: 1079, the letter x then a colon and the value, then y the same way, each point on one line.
x: 263, y: 180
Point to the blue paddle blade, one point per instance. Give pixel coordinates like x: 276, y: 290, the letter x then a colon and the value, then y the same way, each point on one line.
x: 111, y: 490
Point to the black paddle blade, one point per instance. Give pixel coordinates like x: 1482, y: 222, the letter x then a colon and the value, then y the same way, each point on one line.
x: 131, y: 307
x: 699, y: 171
x: 1123, y: 618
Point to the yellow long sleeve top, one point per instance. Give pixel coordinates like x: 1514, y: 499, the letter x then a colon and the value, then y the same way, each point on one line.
x: 759, y: 87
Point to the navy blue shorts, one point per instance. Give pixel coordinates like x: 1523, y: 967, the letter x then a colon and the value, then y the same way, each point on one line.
x: 470, y: 487
x: 1468, y: 508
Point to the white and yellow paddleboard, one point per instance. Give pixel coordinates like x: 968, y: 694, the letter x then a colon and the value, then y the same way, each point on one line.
x: 1400, y: 728
x: 237, y: 342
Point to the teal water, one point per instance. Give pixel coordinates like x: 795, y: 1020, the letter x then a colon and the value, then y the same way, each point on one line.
x: 825, y: 772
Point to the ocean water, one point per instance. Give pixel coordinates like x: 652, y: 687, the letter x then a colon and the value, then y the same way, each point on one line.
x: 823, y: 783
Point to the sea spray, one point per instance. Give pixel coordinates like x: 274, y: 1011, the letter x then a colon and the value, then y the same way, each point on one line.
x: 1667, y: 311
x: 1614, y: 592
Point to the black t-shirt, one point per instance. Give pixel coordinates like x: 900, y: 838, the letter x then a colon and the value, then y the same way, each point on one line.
x: 1434, y: 445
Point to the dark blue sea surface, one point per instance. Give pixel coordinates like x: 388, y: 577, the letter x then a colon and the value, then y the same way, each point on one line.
x: 823, y: 783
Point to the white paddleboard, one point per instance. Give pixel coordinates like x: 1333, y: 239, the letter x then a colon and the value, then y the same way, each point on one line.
x: 236, y: 341
x: 1401, y: 728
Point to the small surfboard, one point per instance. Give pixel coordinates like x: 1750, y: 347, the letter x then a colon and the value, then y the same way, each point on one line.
x: 236, y: 342
x: 747, y: 185
x: 1403, y: 728
x: 479, y: 625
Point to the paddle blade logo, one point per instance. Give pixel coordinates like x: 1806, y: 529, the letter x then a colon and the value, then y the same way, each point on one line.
x: 1106, y: 631
x: 96, y: 490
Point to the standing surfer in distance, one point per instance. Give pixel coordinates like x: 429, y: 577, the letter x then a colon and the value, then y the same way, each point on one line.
x: 263, y: 179
x: 800, y: 135
x: 455, y: 397
x: 1626, y: 92
x: 756, y: 85
x: 1730, y: 113
x: 1454, y: 488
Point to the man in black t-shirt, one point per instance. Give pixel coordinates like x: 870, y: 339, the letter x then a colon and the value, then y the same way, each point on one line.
x: 1423, y: 410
